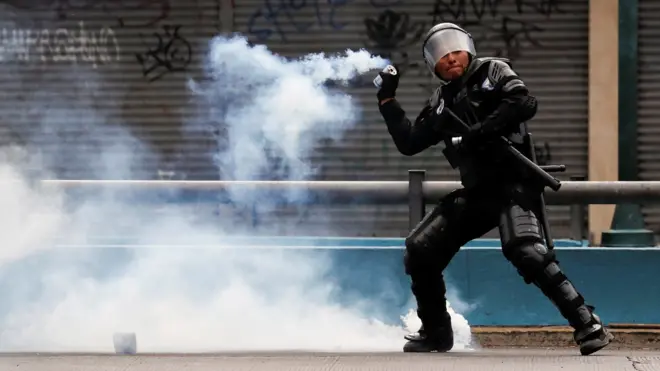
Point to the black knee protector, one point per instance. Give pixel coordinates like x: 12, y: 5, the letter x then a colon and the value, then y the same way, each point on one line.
x: 427, y: 233
x: 522, y: 244
x: 529, y: 258
x: 430, y: 232
x: 518, y: 225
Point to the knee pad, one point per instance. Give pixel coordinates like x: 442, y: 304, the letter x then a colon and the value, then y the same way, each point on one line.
x: 429, y: 245
x: 414, y: 253
x: 429, y: 232
x: 522, y: 243
x: 518, y: 226
x: 418, y: 262
x: 530, y: 258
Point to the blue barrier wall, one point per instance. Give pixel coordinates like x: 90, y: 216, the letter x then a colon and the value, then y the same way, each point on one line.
x: 620, y: 282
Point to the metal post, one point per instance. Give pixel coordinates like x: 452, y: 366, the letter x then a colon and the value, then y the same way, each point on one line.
x: 416, y: 204
x: 628, y: 228
x: 577, y: 215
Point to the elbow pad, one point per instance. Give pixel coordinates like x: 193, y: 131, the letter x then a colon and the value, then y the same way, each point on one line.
x: 528, y: 107
x: 511, y: 113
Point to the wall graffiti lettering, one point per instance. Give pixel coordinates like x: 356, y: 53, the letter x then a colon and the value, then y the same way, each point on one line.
x: 492, y: 27
x: 169, y: 52
x: 76, y: 45
x: 278, y: 17
x: 151, y: 11
x: 392, y: 30
x: 391, y: 34
x: 462, y: 9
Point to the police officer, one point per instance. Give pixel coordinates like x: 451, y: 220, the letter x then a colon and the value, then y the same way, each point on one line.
x: 488, y: 97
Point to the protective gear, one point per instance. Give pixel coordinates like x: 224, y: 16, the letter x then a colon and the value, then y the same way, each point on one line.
x: 523, y: 246
x: 510, y: 113
x: 389, y: 83
x: 594, y: 337
x: 437, y: 339
x: 493, y: 101
x: 445, y: 38
x: 502, y: 77
x: 460, y: 217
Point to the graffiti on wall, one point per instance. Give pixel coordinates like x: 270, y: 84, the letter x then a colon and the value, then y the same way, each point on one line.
x: 280, y: 18
x: 72, y: 45
x: 122, y: 12
x: 168, y: 52
x: 506, y: 32
x: 392, y: 30
x: 393, y: 34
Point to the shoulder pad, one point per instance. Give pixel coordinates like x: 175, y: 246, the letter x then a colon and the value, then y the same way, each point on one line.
x: 498, y: 69
x: 489, y: 59
x: 477, y: 63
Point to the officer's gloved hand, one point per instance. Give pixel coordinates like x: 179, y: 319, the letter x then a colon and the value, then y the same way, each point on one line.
x: 389, y: 84
x: 478, y: 134
x: 476, y: 131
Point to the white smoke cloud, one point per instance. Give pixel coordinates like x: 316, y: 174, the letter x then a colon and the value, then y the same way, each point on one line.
x: 187, y: 298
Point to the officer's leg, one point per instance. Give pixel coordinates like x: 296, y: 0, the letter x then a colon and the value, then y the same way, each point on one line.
x: 429, y: 249
x: 523, y: 246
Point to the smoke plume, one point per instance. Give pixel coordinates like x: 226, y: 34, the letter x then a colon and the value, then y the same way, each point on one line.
x: 67, y: 282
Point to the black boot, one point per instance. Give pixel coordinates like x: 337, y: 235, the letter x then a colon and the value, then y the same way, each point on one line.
x: 438, y: 337
x: 591, y: 336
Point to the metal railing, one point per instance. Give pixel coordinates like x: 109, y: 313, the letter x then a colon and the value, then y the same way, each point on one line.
x: 416, y: 192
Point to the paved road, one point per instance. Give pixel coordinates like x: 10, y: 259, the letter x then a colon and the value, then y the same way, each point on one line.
x: 502, y: 359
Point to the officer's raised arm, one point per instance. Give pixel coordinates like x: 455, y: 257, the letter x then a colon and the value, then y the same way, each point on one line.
x: 409, y: 137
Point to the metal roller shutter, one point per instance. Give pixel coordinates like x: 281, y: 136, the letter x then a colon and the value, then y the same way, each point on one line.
x: 80, y: 76
x: 648, y: 107
x: 547, y: 42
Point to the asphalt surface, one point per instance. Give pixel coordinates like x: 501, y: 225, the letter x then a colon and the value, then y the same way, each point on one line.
x: 491, y: 359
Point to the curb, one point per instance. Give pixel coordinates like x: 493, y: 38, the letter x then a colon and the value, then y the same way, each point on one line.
x: 561, y: 337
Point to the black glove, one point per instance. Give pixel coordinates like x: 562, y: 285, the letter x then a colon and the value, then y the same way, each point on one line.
x: 389, y: 84
x: 479, y: 135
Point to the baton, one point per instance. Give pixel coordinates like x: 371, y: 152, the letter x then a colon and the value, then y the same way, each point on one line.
x: 548, y: 179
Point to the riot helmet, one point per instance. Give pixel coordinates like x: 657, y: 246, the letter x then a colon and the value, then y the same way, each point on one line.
x: 445, y: 38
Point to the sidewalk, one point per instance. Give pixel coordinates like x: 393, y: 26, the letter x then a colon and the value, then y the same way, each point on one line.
x: 625, y: 337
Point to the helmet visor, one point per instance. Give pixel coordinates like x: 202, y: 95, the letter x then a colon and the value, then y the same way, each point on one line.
x: 447, y: 41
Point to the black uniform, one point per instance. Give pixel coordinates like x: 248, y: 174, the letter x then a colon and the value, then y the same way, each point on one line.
x: 494, y: 102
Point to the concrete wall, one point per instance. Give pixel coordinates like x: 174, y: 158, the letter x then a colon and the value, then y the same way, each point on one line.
x: 620, y: 282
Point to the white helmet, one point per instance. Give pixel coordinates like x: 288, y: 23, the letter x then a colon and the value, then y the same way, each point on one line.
x: 445, y: 38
